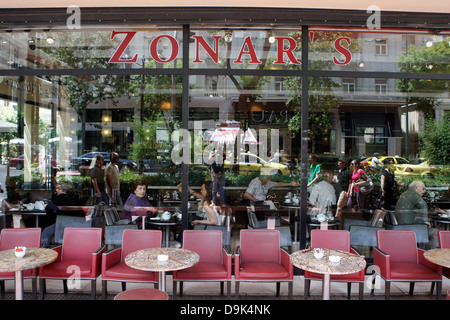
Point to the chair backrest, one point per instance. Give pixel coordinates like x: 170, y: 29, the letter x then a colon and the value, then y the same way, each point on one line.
x: 354, y: 222
x: 260, y: 245
x: 62, y: 222
x: 207, y: 243
x: 390, y: 218
x: 226, y: 232
x: 377, y: 218
x: 110, y: 218
x: 444, y: 239
x: 331, y: 239
x: 364, y: 236
x: 134, y: 240
x: 421, y: 231
x: 27, y: 237
x: 399, y: 244
x: 114, y: 234
x: 79, y: 243
x: 252, y: 219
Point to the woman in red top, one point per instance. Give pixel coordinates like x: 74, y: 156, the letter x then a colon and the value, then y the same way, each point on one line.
x: 355, y: 196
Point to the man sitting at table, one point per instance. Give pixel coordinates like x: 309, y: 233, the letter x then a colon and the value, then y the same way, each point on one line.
x: 323, y: 193
x: 412, y: 209
x: 259, y: 187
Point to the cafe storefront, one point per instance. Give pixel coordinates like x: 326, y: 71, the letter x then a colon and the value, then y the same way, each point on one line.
x: 167, y: 86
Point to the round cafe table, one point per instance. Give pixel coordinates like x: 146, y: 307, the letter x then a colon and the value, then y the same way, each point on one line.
x: 438, y: 256
x: 349, y: 263
x: 34, y: 258
x: 147, y: 260
x: 165, y: 224
x: 296, y: 208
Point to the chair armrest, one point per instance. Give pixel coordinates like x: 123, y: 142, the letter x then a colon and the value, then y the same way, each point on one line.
x: 227, y: 261
x: 97, y: 260
x: 237, y: 262
x: 424, y: 261
x: 110, y: 258
x: 383, y: 261
x: 355, y: 251
x: 58, y: 250
x: 286, y: 262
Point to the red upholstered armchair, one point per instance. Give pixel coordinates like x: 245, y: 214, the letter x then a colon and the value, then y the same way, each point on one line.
x: 214, y: 264
x: 337, y: 240
x: 79, y: 257
x: 113, y: 262
x: 260, y: 258
x: 444, y: 242
x: 9, y: 239
x: 399, y: 259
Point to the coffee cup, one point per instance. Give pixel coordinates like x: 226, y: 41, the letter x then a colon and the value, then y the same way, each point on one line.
x: 20, y: 251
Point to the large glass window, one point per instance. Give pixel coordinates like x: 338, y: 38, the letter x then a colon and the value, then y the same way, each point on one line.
x: 92, y: 49
x: 123, y: 91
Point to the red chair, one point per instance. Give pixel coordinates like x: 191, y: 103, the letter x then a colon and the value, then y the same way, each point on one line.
x: 113, y: 262
x: 399, y: 260
x: 214, y: 264
x: 79, y: 258
x: 337, y: 240
x: 259, y: 258
x: 9, y: 239
x: 444, y: 242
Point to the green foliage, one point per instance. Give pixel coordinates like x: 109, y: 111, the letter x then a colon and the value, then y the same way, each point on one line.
x: 435, y: 141
x: 432, y: 59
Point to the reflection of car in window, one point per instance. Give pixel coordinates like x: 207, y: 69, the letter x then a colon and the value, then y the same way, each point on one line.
x: 397, y: 160
x: 86, y: 160
x: 16, y: 162
x: 422, y: 169
x: 248, y: 162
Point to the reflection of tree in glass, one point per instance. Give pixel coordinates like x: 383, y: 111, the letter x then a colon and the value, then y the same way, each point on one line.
x: 425, y: 93
x: 75, y: 50
x: 321, y: 98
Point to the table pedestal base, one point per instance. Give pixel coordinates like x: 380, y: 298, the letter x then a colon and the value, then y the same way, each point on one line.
x: 162, y: 281
x: 326, y: 286
x: 19, y: 285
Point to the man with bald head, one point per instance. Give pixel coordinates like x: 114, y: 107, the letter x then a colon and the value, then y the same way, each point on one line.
x: 412, y: 209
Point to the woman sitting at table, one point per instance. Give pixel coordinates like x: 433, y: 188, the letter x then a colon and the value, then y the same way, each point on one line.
x: 209, y: 208
x: 137, y: 203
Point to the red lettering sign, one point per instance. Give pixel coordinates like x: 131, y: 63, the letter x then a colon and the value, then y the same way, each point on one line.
x: 281, y: 50
x: 154, y: 46
x: 250, y: 51
x: 246, y: 49
x: 214, y: 54
x: 347, y: 54
x: 116, y: 56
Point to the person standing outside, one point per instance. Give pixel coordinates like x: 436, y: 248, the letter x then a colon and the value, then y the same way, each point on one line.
x: 98, y: 180
x: 112, y: 180
x: 314, y: 170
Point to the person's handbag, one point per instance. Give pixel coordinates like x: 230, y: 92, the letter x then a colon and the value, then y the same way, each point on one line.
x: 367, y: 186
x: 343, y: 199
